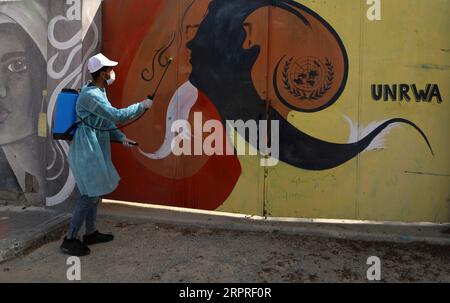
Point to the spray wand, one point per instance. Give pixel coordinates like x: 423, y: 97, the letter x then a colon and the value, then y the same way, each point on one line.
x: 151, y: 97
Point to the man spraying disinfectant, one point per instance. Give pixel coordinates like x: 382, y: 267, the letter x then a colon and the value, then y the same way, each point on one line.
x: 90, y: 152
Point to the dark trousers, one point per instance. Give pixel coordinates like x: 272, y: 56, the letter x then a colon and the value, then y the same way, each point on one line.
x: 85, y: 211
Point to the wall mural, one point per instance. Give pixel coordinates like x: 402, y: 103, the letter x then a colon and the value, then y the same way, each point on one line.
x: 313, y: 81
x: 73, y: 36
x: 23, y: 54
x: 221, y: 73
x: 309, y: 83
x: 33, y: 166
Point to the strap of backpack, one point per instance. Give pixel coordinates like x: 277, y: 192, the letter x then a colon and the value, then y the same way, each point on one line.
x: 70, y: 129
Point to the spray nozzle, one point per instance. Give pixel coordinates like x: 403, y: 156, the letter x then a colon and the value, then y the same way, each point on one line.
x: 169, y: 60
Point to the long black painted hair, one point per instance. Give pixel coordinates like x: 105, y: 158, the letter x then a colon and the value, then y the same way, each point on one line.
x: 221, y: 68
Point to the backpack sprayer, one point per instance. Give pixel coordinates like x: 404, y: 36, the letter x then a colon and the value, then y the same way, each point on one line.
x: 65, y: 121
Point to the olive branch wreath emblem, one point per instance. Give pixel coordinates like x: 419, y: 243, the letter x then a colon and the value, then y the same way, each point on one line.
x: 317, y: 93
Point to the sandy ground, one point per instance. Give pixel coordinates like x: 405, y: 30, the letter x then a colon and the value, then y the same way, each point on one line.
x: 146, y: 252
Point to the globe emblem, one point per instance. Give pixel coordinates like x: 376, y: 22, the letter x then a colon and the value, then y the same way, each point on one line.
x: 307, y: 74
x: 308, y: 80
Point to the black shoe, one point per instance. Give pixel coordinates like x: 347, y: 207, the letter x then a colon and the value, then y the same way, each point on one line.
x: 74, y: 247
x: 97, y: 237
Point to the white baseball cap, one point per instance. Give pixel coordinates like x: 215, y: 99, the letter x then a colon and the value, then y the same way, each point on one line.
x: 99, y: 61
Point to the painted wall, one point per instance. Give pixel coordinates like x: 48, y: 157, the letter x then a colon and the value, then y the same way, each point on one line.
x: 311, y: 66
x: 355, y: 140
x: 44, y: 46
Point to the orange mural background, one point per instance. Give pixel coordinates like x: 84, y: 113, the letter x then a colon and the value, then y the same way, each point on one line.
x: 142, y: 36
x: 132, y: 33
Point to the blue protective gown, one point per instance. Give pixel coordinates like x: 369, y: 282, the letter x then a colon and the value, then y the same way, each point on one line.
x: 90, y: 151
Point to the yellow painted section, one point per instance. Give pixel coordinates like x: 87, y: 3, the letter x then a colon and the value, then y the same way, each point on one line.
x: 248, y: 194
x: 411, y: 45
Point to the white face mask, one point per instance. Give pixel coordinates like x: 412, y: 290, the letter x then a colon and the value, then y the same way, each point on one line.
x: 112, y: 78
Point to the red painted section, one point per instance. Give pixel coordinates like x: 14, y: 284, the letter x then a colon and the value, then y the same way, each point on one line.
x: 125, y: 23
x: 207, y: 189
x: 188, y: 181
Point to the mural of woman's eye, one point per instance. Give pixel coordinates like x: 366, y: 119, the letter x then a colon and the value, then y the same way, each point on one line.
x: 17, y: 65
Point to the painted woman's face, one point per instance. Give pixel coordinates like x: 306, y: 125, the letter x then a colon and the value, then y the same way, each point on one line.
x: 17, y: 117
x: 217, y: 51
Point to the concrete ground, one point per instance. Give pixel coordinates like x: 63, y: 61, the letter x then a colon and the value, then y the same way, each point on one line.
x: 22, y: 228
x: 145, y: 251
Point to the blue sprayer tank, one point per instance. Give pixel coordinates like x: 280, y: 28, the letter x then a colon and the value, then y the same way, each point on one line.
x: 65, y: 115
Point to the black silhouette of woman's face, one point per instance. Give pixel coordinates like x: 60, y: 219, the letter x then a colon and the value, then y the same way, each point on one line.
x: 221, y: 68
x: 217, y: 53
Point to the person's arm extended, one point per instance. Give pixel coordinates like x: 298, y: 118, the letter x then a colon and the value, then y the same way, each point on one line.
x: 115, y: 115
x: 102, y: 108
x: 116, y: 134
